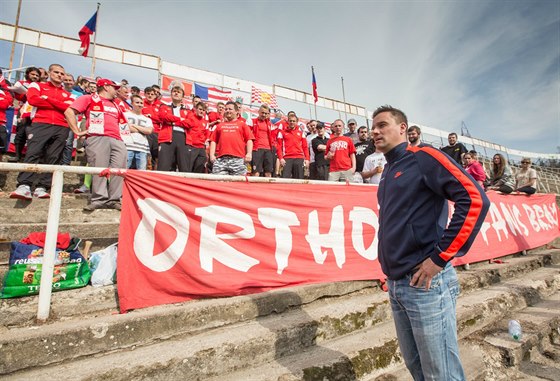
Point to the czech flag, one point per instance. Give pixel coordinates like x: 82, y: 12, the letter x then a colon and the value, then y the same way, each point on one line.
x: 314, y: 85
x: 85, y: 33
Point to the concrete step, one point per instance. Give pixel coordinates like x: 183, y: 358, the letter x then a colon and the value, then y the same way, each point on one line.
x: 67, y: 215
x: 71, y: 181
x: 69, y: 201
x: 490, y: 354
x: 90, y: 335
x: 284, y: 347
x: 86, y: 230
x: 378, y: 362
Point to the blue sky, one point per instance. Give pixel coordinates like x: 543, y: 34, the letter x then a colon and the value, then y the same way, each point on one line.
x: 493, y: 64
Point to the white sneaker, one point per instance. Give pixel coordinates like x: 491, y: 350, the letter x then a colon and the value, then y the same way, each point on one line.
x: 41, y: 193
x: 23, y: 192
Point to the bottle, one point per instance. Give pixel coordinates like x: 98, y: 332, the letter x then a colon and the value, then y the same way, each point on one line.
x: 514, y: 329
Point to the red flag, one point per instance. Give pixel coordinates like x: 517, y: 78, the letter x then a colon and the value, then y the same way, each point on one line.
x: 314, y: 85
x: 85, y: 33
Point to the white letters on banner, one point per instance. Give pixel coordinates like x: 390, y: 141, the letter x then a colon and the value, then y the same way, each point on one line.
x: 154, y: 210
x: 280, y: 220
x: 541, y: 217
x: 334, y: 239
x: 212, y: 245
x: 505, y: 220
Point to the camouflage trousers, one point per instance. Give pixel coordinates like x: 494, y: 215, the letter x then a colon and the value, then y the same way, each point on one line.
x: 229, y: 165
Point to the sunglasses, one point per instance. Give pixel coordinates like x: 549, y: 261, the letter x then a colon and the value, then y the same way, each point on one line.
x: 525, y: 162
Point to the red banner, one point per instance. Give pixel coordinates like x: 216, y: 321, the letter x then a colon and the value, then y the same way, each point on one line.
x: 181, y: 239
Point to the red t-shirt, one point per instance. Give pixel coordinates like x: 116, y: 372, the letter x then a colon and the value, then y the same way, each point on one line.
x: 105, y: 125
x: 196, y: 130
x: 263, y: 134
x: 343, y: 148
x: 231, y: 138
x: 214, y: 116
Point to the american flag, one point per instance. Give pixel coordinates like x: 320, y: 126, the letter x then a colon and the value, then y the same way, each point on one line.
x: 212, y: 93
x: 260, y: 96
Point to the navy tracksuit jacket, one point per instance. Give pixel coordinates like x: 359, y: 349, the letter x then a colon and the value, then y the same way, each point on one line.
x: 415, y: 186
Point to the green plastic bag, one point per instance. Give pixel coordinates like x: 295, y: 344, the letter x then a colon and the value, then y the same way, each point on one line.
x: 71, y: 270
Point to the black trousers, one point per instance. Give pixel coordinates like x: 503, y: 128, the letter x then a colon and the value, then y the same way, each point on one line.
x: 174, y: 154
x: 196, y: 159
x: 322, y: 172
x: 45, y: 144
x: 293, y: 169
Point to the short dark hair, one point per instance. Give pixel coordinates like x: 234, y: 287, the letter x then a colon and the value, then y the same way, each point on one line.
x: 149, y: 89
x: 234, y: 105
x: 156, y: 87
x: 135, y: 88
x: 362, y: 128
x: 452, y: 134
x: 399, y: 116
x: 53, y: 65
x: 414, y: 128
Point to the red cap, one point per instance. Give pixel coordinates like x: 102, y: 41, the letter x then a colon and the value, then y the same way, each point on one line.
x: 104, y: 82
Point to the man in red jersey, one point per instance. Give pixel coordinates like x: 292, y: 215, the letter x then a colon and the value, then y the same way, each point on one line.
x: 341, y: 153
x: 172, y: 137
x: 196, y: 127
x: 263, y: 158
x: 233, y: 140
x: 104, y: 144
x: 292, y: 150
x: 151, y: 109
x: 46, y: 136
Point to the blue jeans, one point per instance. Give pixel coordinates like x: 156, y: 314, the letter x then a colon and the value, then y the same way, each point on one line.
x: 140, y: 159
x: 426, y: 326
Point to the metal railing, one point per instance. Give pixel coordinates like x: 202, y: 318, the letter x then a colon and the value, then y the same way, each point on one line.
x: 53, y: 219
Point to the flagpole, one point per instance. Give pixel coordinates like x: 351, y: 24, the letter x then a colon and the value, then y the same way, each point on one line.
x: 95, y: 42
x: 344, y: 100
x: 15, y: 36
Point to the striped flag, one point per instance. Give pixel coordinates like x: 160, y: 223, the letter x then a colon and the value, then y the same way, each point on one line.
x: 85, y: 33
x: 211, y: 93
x: 260, y: 96
x: 314, y: 85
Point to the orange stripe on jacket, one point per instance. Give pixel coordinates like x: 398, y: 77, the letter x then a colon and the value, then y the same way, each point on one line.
x: 476, y: 201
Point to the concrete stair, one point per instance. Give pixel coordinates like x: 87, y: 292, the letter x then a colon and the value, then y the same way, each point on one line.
x: 339, y: 331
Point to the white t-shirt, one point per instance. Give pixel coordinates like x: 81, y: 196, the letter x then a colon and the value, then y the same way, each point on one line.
x: 373, y: 161
x: 139, y: 141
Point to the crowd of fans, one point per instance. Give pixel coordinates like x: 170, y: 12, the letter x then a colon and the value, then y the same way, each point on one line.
x: 500, y: 177
x: 120, y: 126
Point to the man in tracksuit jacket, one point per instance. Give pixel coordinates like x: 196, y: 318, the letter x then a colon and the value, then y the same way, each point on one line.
x: 415, y: 246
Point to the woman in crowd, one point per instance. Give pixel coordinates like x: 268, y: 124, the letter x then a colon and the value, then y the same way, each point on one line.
x: 526, y: 179
x: 501, y: 176
x: 474, y: 168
